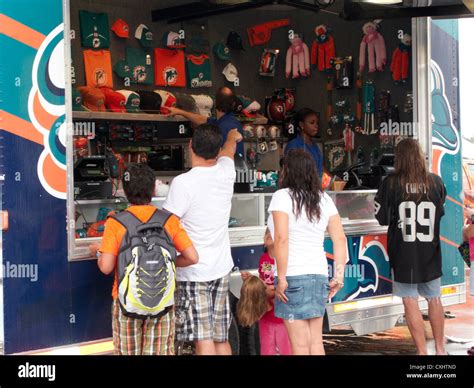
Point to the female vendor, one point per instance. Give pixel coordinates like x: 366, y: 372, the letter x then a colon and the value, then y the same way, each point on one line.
x: 307, y: 121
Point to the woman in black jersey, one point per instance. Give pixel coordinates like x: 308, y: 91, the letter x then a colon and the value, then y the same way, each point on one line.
x: 411, y: 203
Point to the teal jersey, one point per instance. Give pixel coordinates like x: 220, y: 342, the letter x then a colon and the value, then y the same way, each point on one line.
x: 199, y: 71
x: 94, y: 30
x: 140, y: 64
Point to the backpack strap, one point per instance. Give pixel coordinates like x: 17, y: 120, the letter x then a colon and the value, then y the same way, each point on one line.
x: 129, y: 221
x: 157, y: 220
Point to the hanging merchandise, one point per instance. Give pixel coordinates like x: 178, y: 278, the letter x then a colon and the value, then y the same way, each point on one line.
x: 276, y: 110
x: 169, y: 68
x: 261, y: 33
x: 401, y: 60
x: 98, y: 68
x: 234, y: 41
x: 77, y: 103
x: 335, y: 155
x: 329, y: 107
x: 268, y: 62
x: 373, y: 45
x: 94, y: 30
x: 369, y: 108
x: 408, y: 106
x: 230, y: 73
x: 199, y: 71
x: 297, y: 58
x: 322, y: 49
x: 383, y: 107
x: 144, y: 35
x: 173, y: 40
x: 360, y: 155
x: 122, y: 69
x: 221, y: 51
x: 141, y: 66
x: 287, y: 94
x: 343, y: 72
x: 121, y: 29
x: 348, y: 135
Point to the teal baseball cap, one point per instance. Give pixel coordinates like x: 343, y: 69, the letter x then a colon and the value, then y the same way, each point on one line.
x: 221, y: 51
x: 122, y: 69
x: 77, y: 101
x: 132, y: 100
x: 144, y: 35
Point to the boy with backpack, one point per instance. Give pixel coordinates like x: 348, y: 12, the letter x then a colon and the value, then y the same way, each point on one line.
x: 140, y: 246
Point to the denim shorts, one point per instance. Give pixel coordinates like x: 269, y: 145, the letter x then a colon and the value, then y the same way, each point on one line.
x: 307, y: 296
x: 428, y: 290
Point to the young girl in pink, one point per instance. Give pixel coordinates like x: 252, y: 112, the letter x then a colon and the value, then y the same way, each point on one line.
x: 273, y: 334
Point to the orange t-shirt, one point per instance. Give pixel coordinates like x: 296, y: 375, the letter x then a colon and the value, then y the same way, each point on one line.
x: 169, y: 68
x: 98, y: 68
x: 114, y: 233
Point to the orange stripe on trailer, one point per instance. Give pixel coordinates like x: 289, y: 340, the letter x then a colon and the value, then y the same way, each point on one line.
x: 18, y: 31
x: 55, y: 175
x: 437, y: 154
x: 454, y: 201
x: 19, y: 127
x: 449, y: 242
x: 44, y: 118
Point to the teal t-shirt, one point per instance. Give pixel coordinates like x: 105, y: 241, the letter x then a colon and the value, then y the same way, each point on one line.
x: 199, y: 71
x: 140, y: 64
x: 94, y: 30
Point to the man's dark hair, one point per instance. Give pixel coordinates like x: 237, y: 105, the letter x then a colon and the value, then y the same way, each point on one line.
x: 225, y: 101
x: 139, y: 183
x: 207, y: 141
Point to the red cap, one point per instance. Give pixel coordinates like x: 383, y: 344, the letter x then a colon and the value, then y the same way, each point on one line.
x: 93, y: 98
x: 120, y: 27
x: 114, y: 101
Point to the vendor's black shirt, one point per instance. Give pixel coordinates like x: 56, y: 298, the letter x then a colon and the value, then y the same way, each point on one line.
x: 413, y: 235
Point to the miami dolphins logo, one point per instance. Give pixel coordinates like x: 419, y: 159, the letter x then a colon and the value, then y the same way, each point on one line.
x: 139, y: 73
x: 367, y: 270
x: 170, y: 75
x: 100, y: 77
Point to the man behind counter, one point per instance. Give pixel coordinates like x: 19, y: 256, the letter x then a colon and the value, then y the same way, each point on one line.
x: 225, y: 119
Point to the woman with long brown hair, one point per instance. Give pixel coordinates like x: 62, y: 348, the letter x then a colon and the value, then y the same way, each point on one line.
x: 411, y: 203
x: 300, y: 214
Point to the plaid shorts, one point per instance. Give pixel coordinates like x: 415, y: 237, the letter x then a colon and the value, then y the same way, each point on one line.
x: 203, y: 310
x: 150, y: 336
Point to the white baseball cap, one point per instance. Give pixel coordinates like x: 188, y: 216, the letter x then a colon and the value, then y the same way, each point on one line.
x: 230, y: 72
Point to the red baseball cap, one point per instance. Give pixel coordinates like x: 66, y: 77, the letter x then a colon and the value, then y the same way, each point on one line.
x: 120, y: 27
x: 114, y: 101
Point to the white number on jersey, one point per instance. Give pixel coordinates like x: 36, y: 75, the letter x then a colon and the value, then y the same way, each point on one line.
x: 410, y: 215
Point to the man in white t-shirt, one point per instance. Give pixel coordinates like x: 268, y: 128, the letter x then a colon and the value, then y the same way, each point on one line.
x: 202, y: 199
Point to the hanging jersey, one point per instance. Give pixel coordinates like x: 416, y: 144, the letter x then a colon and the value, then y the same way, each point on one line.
x: 169, y: 68
x: 199, y: 71
x: 140, y: 66
x: 413, y: 228
x: 98, y: 68
x: 94, y: 30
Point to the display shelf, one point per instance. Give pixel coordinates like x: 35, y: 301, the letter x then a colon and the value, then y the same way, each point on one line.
x: 125, y: 116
